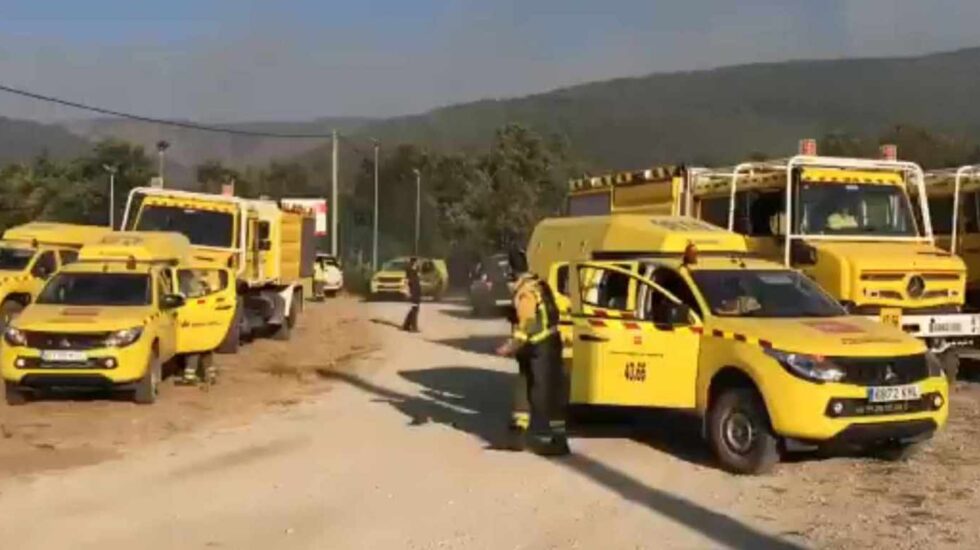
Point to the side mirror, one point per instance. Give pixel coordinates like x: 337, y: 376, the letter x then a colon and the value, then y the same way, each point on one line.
x: 801, y: 253
x: 673, y: 315
x: 172, y: 301
x: 265, y: 245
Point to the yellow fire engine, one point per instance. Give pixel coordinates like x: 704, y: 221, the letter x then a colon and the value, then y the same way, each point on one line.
x: 271, y: 249
x: 848, y: 224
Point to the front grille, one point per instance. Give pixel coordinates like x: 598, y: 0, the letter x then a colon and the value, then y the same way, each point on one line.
x: 883, y: 371
x: 863, y: 407
x: 389, y: 279
x: 66, y: 341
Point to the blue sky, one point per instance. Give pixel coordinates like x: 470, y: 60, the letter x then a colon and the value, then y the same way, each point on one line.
x: 223, y: 60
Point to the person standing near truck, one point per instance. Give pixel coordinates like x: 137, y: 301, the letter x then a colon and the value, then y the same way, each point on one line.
x: 536, y: 344
x: 411, y: 323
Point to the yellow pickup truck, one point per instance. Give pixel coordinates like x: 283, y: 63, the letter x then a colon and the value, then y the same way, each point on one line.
x: 673, y: 312
x: 31, y: 253
x: 391, y: 280
x: 130, y: 305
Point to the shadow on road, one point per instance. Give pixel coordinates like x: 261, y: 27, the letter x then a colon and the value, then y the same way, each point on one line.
x: 476, y: 401
x: 485, y: 345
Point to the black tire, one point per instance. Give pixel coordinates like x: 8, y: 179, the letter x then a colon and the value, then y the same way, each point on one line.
x: 896, y: 451
x: 233, y: 340
x: 330, y: 293
x: 740, y: 433
x: 9, y: 310
x: 951, y: 365
x: 147, y: 387
x: 13, y: 394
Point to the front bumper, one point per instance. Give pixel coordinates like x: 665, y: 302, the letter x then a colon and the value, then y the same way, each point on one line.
x: 941, y: 325
x: 803, y: 410
x: 390, y: 289
x: 22, y: 365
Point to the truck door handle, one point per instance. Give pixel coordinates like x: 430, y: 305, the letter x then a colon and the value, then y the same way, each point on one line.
x: 592, y: 338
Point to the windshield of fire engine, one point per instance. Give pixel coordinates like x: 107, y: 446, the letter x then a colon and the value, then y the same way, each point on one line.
x: 854, y: 209
x: 201, y: 227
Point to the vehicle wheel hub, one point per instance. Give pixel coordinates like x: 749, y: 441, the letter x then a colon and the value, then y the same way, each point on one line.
x: 739, y: 432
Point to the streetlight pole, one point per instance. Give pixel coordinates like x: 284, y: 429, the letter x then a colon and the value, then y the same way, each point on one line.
x: 374, y: 240
x: 418, y: 206
x: 334, y: 159
x: 112, y: 194
x: 162, y: 146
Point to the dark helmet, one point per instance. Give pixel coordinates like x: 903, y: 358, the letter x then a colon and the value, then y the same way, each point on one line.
x: 517, y: 260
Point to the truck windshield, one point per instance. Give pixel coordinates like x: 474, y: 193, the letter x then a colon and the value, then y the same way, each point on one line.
x: 97, y: 289
x: 201, y: 227
x: 775, y: 293
x: 854, y: 210
x: 395, y: 265
x: 15, y: 259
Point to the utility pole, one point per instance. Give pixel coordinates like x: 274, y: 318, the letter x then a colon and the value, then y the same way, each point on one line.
x: 333, y: 197
x: 162, y: 147
x: 374, y: 240
x: 418, y: 207
x: 112, y: 194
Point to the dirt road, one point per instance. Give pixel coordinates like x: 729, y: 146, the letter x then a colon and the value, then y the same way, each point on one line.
x: 392, y: 452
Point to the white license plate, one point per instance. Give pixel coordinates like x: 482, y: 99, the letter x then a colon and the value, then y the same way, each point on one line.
x: 947, y: 327
x: 888, y: 394
x: 63, y: 356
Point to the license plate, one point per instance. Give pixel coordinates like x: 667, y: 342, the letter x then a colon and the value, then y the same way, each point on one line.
x: 947, y: 327
x: 891, y: 316
x: 888, y: 394
x: 63, y: 356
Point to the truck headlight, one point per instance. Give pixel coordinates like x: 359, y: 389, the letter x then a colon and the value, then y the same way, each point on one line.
x: 814, y: 368
x: 15, y: 337
x: 123, y: 338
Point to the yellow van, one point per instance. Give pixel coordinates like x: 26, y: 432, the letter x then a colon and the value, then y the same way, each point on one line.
x: 130, y: 305
x: 32, y: 252
x: 671, y: 312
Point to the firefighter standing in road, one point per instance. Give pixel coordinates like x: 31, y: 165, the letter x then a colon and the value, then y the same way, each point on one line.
x: 411, y: 323
x: 536, y: 344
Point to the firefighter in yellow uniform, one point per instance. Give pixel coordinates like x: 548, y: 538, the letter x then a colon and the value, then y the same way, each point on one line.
x: 539, y: 410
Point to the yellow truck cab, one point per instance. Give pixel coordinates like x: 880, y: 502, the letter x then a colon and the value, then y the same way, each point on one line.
x: 112, y: 320
x: 848, y: 224
x: 31, y: 253
x: 390, y: 280
x: 270, y: 248
x: 672, y: 312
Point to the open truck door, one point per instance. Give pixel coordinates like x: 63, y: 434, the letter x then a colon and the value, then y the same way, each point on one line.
x: 634, y: 343
x: 209, y: 307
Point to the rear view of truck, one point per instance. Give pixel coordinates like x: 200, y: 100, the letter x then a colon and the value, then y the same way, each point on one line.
x: 271, y: 250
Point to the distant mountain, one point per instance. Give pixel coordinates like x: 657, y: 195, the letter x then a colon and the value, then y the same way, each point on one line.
x: 23, y: 139
x: 191, y: 147
x: 719, y: 115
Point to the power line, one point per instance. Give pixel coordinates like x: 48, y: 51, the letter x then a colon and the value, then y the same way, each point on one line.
x: 161, y: 121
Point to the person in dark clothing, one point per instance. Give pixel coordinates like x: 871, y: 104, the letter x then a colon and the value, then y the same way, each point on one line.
x: 411, y: 323
x: 538, y: 416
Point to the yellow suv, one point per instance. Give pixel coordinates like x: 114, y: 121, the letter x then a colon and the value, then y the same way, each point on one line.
x: 31, y: 253
x: 757, y: 350
x: 112, y: 320
x: 390, y: 280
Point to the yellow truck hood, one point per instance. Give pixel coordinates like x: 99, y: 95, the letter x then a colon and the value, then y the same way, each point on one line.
x: 57, y: 318
x: 392, y: 274
x: 891, y: 256
x: 847, y: 336
x: 207, y: 257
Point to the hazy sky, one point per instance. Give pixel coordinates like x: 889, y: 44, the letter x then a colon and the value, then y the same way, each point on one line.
x: 225, y: 60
